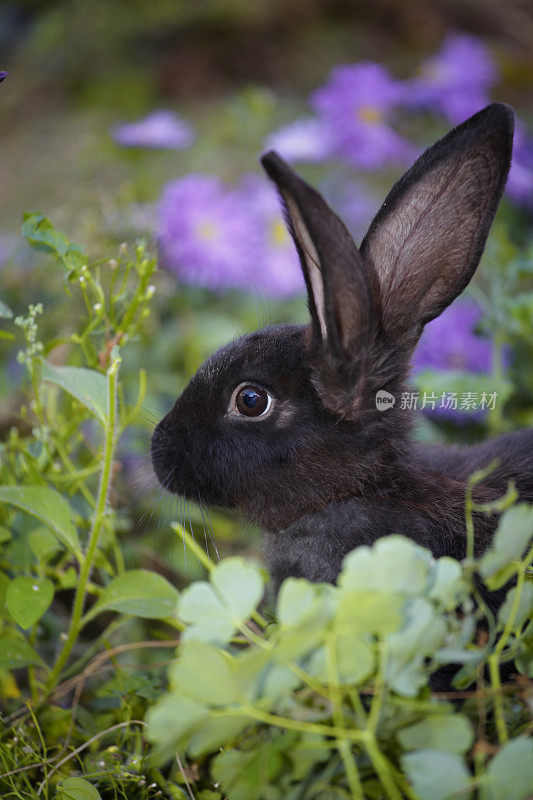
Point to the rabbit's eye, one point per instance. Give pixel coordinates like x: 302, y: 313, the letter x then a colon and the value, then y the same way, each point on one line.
x: 252, y: 401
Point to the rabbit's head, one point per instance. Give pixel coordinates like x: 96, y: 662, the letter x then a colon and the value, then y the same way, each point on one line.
x: 283, y: 421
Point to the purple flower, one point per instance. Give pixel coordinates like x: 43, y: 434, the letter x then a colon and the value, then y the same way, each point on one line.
x: 520, y: 181
x: 455, y: 82
x: 302, y: 140
x: 355, y: 105
x: 206, y: 233
x: 224, y: 238
x: 449, y: 342
x: 3, y: 75
x: 278, y: 272
x: 161, y: 130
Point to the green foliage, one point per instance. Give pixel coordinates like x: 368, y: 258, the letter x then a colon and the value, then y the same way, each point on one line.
x: 343, y: 674
x: 327, y: 696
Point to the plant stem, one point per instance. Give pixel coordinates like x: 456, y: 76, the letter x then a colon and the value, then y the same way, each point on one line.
x: 494, y: 658
x: 295, y: 725
x: 495, y: 419
x: 206, y: 562
x: 98, y: 519
x: 343, y: 746
x: 382, y: 768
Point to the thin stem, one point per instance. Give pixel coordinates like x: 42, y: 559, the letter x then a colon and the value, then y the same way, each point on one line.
x: 98, y: 519
x: 379, y: 691
x: 206, y: 562
x: 495, y: 420
x: 382, y: 768
x: 494, y: 658
x: 295, y: 725
x: 343, y: 746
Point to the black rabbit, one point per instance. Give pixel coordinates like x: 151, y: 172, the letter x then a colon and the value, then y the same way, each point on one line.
x: 283, y: 423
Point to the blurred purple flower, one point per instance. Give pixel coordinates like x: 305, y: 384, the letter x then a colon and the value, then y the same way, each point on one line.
x: 520, y: 181
x: 278, y: 272
x: 302, y: 140
x: 355, y: 105
x: 455, y: 82
x: 161, y: 130
x: 449, y: 341
x: 3, y: 75
x: 206, y: 233
x: 224, y: 238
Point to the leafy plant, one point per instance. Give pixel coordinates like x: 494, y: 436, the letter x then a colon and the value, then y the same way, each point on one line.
x: 331, y: 699
x: 329, y: 696
x: 58, y: 528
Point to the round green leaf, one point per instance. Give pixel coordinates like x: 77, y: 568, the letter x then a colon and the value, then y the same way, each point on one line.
x: 16, y: 653
x: 452, y: 732
x: 5, y: 311
x: 436, y: 775
x: 393, y: 562
x: 77, y: 789
x: 86, y: 385
x: 510, y: 773
x: 138, y: 592
x: 28, y: 598
x: 47, y: 505
x: 43, y: 544
x: 216, y: 609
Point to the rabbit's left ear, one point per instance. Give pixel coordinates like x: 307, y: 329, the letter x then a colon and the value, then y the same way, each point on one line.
x: 339, y: 286
x: 427, y: 239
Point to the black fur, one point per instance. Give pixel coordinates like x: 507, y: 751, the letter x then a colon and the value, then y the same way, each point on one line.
x: 325, y: 470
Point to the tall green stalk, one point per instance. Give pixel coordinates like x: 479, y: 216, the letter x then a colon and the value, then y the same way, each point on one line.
x: 96, y: 527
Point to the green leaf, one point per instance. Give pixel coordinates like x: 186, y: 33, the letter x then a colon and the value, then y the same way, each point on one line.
x: 16, y: 653
x: 298, y: 602
x: 355, y: 661
x: 421, y: 636
x: 216, y: 732
x: 138, y: 592
x: 170, y: 724
x: 86, y: 385
x: 525, y: 606
x: 192, y: 674
x: 447, y: 584
x: 5, y: 535
x: 77, y: 789
x: 216, y: 609
x: 47, y: 505
x: 43, y: 544
x: 4, y: 583
x: 514, y: 532
x: 437, y: 774
x: 394, y: 562
x: 244, y: 775
x: 28, y: 598
x: 451, y: 732
x: 510, y: 773
x: 42, y: 236
x: 370, y: 610
x: 5, y: 311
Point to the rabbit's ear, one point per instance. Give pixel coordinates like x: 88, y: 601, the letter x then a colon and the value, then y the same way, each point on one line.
x: 427, y: 239
x: 338, y: 283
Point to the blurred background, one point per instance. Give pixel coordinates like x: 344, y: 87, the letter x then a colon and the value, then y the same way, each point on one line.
x: 123, y: 119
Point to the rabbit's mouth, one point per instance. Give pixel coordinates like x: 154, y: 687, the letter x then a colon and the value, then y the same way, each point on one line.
x: 172, y: 463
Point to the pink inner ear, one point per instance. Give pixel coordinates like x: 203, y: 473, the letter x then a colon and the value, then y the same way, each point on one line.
x: 427, y: 248
x: 312, y: 262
